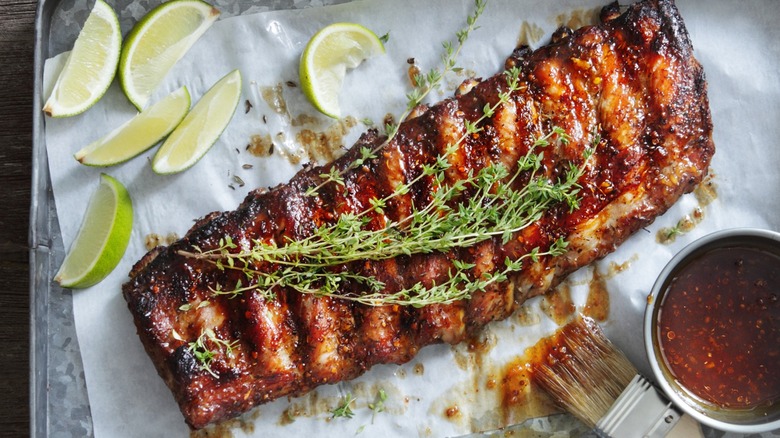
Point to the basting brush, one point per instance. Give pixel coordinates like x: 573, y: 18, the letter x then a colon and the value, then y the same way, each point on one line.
x: 593, y: 380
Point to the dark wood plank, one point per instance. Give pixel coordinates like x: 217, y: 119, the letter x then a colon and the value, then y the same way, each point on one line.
x: 17, y: 33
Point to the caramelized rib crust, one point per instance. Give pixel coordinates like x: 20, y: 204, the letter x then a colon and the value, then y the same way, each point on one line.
x: 632, y: 80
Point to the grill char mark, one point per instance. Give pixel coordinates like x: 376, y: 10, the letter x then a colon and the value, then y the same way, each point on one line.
x: 632, y: 78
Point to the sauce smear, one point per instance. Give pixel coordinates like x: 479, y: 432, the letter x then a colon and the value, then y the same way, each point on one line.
x: 719, y: 327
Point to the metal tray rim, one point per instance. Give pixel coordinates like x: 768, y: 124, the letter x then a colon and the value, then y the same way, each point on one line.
x: 57, y: 390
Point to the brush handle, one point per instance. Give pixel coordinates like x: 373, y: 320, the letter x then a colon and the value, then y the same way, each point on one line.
x: 642, y: 410
x: 687, y: 427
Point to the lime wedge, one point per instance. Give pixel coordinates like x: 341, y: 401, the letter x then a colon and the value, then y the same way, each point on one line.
x: 91, y: 65
x: 157, y: 42
x: 201, y: 128
x: 139, y: 133
x: 326, y: 58
x: 102, y: 238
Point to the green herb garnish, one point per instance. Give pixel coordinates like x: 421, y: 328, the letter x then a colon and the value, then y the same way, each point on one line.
x: 494, y: 209
x: 483, y: 205
x: 378, y: 405
x: 207, y: 347
x: 344, y: 409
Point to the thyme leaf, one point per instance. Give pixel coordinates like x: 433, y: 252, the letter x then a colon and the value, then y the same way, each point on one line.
x: 207, y: 347
x: 378, y: 405
x: 344, y: 409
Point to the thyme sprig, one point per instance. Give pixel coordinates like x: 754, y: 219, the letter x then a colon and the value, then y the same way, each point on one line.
x: 344, y: 409
x: 481, y: 205
x: 206, y: 348
x: 493, y: 209
x: 423, y: 85
x: 378, y: 405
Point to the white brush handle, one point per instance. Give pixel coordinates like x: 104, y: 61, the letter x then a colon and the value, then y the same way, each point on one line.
x: 687, y: 427
x: 642, y: 410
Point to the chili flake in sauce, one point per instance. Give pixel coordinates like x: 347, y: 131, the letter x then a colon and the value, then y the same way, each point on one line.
x: 719, y: 327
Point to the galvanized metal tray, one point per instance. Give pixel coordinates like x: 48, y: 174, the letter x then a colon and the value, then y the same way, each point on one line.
x: 58, y: 394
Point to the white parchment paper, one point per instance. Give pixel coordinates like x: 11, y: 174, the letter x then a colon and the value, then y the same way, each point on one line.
x: 735, y: 41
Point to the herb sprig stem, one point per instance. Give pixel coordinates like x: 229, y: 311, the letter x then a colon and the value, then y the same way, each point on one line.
x: 494, y: 210
x: 461, y: 212
x: 206, y: 347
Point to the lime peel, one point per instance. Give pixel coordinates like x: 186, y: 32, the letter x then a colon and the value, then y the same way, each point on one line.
x: 201, y: 128
x: 138, y: 134
x: 91, y: 65
x: 102, y: 239
x: 157, y: 42
x: 327, y: 57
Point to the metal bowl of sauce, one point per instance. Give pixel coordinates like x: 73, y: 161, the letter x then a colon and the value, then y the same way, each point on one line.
x: 712, y: 330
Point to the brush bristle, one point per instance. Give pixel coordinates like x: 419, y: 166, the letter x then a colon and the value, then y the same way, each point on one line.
x: 583, y: 370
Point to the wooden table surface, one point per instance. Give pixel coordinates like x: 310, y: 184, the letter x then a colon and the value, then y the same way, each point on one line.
x: 17, y: 40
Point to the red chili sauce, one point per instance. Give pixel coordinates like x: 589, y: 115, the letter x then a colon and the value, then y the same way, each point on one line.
x: 719, y: 328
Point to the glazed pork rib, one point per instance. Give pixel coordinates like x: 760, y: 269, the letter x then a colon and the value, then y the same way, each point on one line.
x: 629, y: 85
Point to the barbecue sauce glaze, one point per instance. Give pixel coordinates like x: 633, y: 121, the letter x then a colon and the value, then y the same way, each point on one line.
x: 719, y: 328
